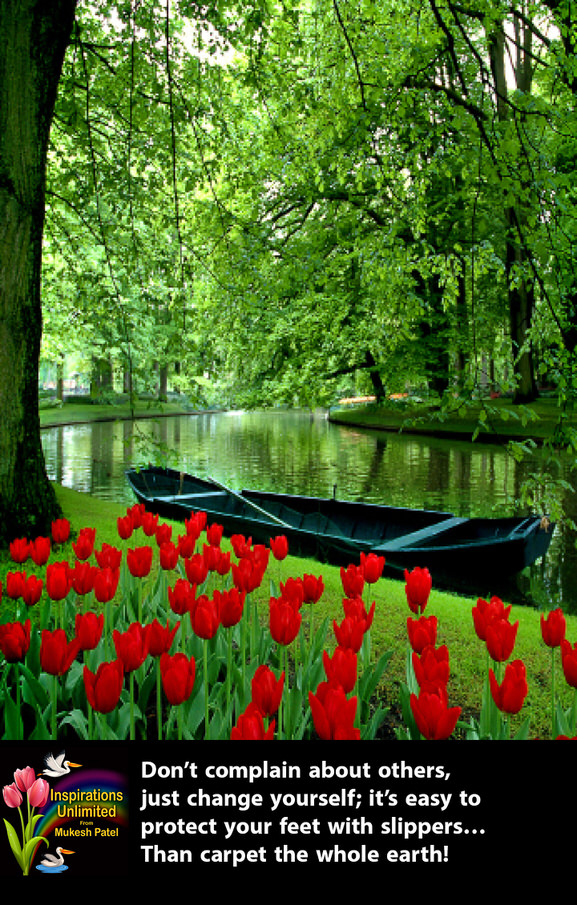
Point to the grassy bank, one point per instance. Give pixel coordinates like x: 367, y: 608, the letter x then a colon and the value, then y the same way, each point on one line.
x: 79, y: 413
x: 491, y: 419
x: 467, y: 653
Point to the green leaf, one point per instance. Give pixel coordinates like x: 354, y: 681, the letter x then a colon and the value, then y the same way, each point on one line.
x: 15, y: 844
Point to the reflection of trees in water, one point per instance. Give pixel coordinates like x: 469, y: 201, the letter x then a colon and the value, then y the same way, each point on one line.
x: 285, y: 452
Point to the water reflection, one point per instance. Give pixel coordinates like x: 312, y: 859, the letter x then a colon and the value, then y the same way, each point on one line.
x: 299, y: 453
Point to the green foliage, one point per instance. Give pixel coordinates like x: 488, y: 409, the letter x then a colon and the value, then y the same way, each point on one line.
x: 284, y: 205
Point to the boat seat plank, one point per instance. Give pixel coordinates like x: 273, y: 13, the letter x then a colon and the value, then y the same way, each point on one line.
x: 423, y: 534
x: 185, y: 497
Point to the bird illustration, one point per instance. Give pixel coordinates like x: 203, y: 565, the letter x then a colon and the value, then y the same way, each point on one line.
x: 57, y: 860
x: 57, y: 766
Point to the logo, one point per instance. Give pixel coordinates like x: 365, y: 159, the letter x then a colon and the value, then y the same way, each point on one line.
x: 70, y: 816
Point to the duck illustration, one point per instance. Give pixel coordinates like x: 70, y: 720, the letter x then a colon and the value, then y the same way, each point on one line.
x: 57, y: 860
x: 57, y: 766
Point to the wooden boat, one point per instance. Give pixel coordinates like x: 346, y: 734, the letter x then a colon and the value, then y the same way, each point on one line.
x: 459, y: 552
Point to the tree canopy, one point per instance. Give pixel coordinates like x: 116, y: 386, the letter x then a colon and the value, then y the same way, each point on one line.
x: 288, y: 201
x: 282, y: 203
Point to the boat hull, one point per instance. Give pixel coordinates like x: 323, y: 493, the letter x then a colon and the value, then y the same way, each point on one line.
x: 460, y: 553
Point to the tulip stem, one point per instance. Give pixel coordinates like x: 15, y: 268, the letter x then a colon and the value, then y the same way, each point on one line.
x: 132, y: 733
x: 228, y: 681
x: 158, y: 700
x: 243, y: 631
x: 553, y: 719
x: 283, y: 664
x: 205, y: 671
x: 103, y: 726
x: 18, y: 708
x: 54, y: 706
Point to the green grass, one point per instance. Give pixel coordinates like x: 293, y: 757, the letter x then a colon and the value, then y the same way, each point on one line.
x: 494, y: 419
x: 78, y: 413
x: 467, y: 653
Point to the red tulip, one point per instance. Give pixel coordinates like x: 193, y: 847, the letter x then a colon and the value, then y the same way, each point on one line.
x: 372, y: 566
x: 15, y: 582
x: 205, y: 617
x: 38, y: 793
x: 85, y: 543
x: 250, y: 726
x: 108, y: 557
x: 267, y: 690
x: 486, y: 612
x: 279, y: 547
x: 569, y: 662
x: 500, y: 641
x: 104, y: 687
x: 56, y: 652
x: 223, y: 565
x: 106, y: 584
x: 19, y: 550
x: 292, y: 592
x: 355, y: 609
x: 149, y: 523
x: 195, y: 525
x: 247, y: 574
x: 231, y: 606
x: 418, y: 585
x: 196, y: 569
x: 168, y: 556
x: 284, y: 621
x: 124, y: 526
x: 352, y: 580
x: 137, y: 513
x: 313, y: 588
x: 40, y: 549
x: 177, y: 673
x: 139, y: 561
x: 211, y: 555
x: 163, y: 535
x: 553, y: 627
x: 15, y: 640
x: 181, y: 597
x: 432, y: 666
x: 333, y: 713
x: 422, y: 632
x: 60, y: 530
x: 83, y: 575
x: 350, y: 633
x: 160, y: 637
x: 88, y: 629
x: 510, y: 695
x: 32, y: 590
x: 434, y: 718
x: 341, y: 668
x: 186, y: 546
x: 131, y: 646
x: 214, y: 534
x: 241, y: 545
x: 58, y: 580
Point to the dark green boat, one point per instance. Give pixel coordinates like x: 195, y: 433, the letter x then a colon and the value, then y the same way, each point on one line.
x: 459, y: 552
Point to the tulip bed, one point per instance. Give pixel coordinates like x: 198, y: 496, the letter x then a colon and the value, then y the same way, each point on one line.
x: 164, y: 637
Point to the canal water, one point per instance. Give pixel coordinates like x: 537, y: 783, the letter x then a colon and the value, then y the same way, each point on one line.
x: 301, y: 453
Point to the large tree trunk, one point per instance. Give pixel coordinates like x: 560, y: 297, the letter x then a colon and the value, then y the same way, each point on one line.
x: 35, y: 34
x: 521, y: 292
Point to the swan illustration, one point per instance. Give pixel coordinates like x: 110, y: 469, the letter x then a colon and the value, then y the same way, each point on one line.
x: 57, y: 766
